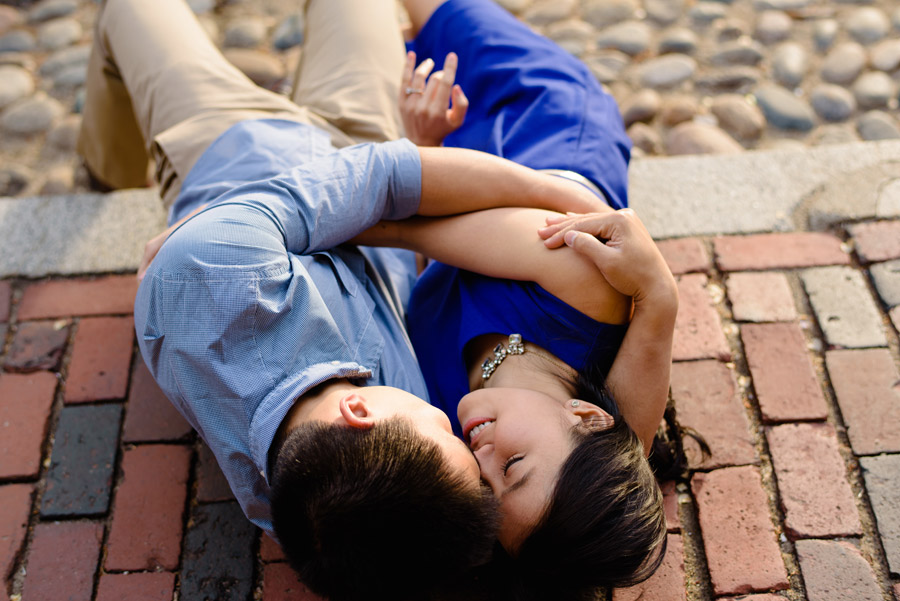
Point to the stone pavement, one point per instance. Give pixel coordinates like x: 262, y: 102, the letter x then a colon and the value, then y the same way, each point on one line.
x: 786, y: 351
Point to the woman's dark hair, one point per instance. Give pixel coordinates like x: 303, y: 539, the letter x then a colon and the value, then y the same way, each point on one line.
x: 376, y: 514
x: 605, y: 525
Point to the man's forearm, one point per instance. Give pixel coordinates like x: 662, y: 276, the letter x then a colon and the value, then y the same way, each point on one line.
x: 457, y: 180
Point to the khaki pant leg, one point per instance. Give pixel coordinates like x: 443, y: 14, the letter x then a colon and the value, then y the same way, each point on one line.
x: 350, y: 69
x: 154, y: 61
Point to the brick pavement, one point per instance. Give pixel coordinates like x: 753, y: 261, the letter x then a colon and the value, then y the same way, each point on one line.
x: 798, y: 500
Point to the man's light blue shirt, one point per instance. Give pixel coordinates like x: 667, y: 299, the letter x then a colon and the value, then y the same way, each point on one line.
x: 252, y: 302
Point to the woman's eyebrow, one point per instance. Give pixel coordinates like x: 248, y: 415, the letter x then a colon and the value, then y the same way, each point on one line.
x: 517, y: 484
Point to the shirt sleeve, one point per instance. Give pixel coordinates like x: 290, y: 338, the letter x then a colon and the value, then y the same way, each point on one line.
x: 327, y: 201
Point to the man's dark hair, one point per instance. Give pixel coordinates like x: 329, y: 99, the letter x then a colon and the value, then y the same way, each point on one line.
x: 376, y: 514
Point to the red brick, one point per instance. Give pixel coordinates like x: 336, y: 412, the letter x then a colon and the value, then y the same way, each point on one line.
x: 150, y: 417
x: 897, y: 591
x: 110, y: 295
x: 15, y: 506
x: 698, y: 328
x: 868, y: 392
x: 783, y: 374
x: 269, y: 550
x: 38, y: 345
x: 146, y: 586
x: 5, y: 300
x: 761, y: 297
x: 280, y: 583
x: 25, y: 404
x: 741, y: 548
x: 706, y: 399
x: 670, y: 504
x: 666, y: 584
x: 812, y: 481
x: 778, y: 251
x: 100, y: 359
x: 762, y: 597
x: 685, y: 255
x: 836, y: 570
x: 62, y: 561
x: 147, y: 515
x: 878, y: 241
x: 211, y: 482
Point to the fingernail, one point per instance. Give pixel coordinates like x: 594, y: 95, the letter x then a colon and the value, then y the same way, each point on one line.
x: 570, y: 238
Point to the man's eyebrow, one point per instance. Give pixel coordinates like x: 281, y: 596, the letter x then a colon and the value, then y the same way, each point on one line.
x: 517, y: 484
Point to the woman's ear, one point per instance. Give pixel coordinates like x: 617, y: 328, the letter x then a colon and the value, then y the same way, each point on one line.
x: 356, y: 412
x: 592, y: 417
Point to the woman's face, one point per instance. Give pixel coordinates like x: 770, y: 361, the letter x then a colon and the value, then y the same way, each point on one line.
x: 520, y: 438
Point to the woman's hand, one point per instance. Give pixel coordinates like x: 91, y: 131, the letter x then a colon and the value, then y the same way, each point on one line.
x: 152, y: 247
x: 424, y: 101
x: 621, y: 248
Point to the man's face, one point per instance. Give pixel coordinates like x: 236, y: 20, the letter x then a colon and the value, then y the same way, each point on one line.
x: 368, y: 405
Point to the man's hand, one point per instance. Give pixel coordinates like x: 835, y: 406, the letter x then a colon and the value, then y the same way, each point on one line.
x: 152, y: 247
x: 424, y: 101
x: 621, y: 248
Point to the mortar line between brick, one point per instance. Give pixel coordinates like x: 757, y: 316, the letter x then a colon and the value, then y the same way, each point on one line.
x: 114, y: 489
x: 17, y: 578
x: 753, y: 411
x: 853, y: 473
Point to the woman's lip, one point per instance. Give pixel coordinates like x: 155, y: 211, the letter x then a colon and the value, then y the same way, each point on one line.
x: 469, y: 425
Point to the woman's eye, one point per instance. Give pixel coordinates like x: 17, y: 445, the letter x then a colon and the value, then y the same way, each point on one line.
x: 511, y: 461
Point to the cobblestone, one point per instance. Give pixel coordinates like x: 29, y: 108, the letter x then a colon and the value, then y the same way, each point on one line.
x: 865, y: 383
x: 877, y: 240
x: 845, y: 311
x: 110, y: 295
x: 886, y: 277
x: 706, y: 399
x: 15, y: 499
x: 151, y: 417
x: 147, y: 586
x: 62, y: 561
x: 812, y: 481
x: 761, y: 297
x: 836, y: 570
x: 80, y: 476
x: 881, y: 475
x: 698, y: 328
x: 741, y: 547
x: 778, y: 251
x: 783, y: 374
x: 667, y: 584
x: 25, y: 403
x: 685, y: 255
x: 147, y: 514
x: 101, y: 356
x: 217, y: 561
x: 38, y: 345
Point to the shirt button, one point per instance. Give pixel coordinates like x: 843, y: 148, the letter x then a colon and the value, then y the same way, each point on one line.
x: 335, y: 362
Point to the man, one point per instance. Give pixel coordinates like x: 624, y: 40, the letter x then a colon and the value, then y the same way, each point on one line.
x: 285, y: 350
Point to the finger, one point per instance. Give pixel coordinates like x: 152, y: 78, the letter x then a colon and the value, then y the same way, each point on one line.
x: 409, y: 68
x: 450, y: 64
x: 456, y: 115
x: 432, y: 90
x: 421, y: 74
x: 588, y: 246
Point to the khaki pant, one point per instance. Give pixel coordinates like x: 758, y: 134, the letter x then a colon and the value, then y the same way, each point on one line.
x: 157, y: 87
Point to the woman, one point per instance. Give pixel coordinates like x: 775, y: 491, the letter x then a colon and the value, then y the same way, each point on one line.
x: 528, y: 345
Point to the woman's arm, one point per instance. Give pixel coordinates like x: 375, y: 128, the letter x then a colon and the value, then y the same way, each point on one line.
x: 631, y: 262
x: 503, y: 243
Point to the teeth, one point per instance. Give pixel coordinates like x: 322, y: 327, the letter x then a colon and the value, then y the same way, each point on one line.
x: 474, y: 431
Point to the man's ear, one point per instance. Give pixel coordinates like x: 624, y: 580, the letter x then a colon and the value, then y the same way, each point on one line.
x: 592, y: 416
x: 356, y: 412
